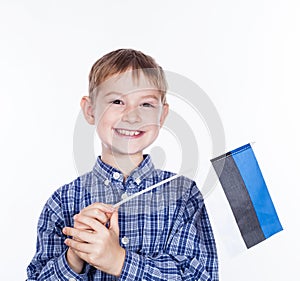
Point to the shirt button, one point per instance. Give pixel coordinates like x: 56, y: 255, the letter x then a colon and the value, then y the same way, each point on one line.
x: 138, y: 181
x: 124, y: 195
x: 125, y: 240
x: 116, y: 175
x: 106, y: 182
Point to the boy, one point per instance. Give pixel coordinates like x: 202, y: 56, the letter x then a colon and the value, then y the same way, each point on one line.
x: 164, y: 234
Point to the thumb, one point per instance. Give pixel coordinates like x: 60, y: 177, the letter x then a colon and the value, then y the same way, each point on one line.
x: 114, y: 223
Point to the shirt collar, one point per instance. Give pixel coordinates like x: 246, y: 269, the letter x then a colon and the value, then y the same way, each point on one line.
x: 107, y: 172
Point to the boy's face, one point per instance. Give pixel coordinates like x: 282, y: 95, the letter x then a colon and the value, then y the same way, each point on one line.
x: 128, y: 114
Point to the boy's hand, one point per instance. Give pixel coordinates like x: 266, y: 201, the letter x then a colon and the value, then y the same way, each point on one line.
x: 93, y: 242
x: 100, y: 211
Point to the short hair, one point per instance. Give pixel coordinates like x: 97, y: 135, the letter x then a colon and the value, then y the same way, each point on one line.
x: 122, y: 60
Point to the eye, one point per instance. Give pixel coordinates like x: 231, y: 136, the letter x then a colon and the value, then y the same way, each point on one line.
x: 146, y: 104
x: 117, y: 102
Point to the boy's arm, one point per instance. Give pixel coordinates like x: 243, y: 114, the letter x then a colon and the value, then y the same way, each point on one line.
x: 191, y: 252
x: 49, y: 261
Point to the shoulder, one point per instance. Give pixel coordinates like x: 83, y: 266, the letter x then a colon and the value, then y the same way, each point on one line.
x: 71, y: 192
x: 66, y: 201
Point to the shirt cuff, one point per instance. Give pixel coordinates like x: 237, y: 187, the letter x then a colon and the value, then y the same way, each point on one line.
x: 133, y: 268
x: 65, y: 272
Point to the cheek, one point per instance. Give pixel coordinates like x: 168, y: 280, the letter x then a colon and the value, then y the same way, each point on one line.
x: 105, y: 118
x: 151, y: 117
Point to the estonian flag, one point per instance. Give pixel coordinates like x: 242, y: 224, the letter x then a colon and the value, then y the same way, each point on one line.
x: 247, y: 194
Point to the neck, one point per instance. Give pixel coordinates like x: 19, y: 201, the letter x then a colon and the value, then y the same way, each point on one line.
x: 124, y: 163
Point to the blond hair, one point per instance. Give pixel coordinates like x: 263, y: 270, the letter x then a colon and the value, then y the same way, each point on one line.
x: 122, y: 60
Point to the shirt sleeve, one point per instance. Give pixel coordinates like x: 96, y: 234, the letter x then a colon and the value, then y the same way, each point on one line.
x: 190, y: 254
x: 49, y: 261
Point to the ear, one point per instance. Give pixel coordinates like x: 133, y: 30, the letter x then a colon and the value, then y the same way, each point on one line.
x: 88, y: 110
x: 164, y: 113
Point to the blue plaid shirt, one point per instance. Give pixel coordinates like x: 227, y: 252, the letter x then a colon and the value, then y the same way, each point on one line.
x: 166, y: 232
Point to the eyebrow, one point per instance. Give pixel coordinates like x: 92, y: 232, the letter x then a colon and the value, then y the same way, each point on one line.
x: 113, y: 93
x: 121, y: 94
x: 151, y: 96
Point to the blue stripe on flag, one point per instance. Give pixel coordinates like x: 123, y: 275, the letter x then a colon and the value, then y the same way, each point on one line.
x: 249, y: 169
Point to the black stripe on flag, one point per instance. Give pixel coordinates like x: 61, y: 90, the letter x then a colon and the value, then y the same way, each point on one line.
x: 239, y: 199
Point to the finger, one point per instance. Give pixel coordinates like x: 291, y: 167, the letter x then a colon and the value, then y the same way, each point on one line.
x: 90, y: 222
x: 81, y: 255
x: 93, y: 213
x: 78, y: 247
x: 79, y: 235
x: 81, y: 226
x: 114, y: 223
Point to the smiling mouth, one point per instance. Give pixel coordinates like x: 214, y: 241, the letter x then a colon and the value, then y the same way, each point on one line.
x: 128, y: 133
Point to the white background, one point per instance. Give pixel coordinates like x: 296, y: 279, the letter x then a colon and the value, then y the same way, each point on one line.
x: 243, y: 54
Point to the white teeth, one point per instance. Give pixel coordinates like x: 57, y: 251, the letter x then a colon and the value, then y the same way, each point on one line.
x: 128, y: 133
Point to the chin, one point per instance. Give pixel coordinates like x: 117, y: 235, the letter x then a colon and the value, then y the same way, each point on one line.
x: 126, y: 151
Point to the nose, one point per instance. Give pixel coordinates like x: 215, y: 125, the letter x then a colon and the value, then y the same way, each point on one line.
x: 131, y: 115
